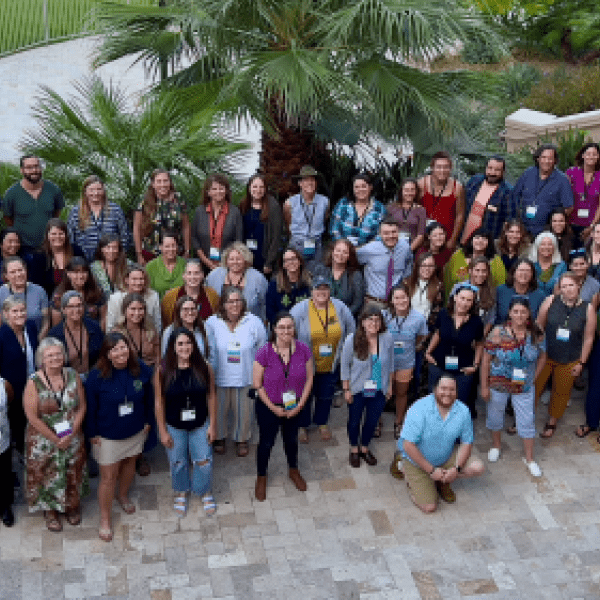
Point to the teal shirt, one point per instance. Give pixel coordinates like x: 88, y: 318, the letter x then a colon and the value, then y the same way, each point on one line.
x: 30, y: 215
x: 160, y: 279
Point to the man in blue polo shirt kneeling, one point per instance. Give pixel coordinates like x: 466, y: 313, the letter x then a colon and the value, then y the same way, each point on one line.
x: 427, y: 442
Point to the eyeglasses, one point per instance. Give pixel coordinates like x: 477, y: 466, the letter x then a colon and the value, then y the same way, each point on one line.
x: 189, y: 309
x: 233, y: 301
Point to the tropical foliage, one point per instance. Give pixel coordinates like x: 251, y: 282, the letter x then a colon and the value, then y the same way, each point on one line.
x: 25, y: 23
x: 97, y: 133
x: 333, y: 70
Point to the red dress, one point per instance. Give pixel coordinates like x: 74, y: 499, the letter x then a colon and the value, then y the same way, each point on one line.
x: 441, y: 208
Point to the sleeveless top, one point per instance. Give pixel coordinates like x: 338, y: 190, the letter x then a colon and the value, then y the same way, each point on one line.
x: 441, y: 209
x: 564, y: 317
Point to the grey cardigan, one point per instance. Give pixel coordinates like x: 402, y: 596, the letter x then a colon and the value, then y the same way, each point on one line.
x: 352, y: 288
x: 358, y: 371
x: 300, y: 314
x: 233, y: 230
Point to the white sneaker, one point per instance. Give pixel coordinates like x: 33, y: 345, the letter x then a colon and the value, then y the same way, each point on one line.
x: 545, y: 397
x: 494, y: 454
x: 533, y: 467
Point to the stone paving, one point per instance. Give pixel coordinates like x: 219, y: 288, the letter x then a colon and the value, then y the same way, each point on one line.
x: 354, y: 533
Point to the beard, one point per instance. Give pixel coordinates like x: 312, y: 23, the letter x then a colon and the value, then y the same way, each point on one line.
x: 33, y: 177
x: 493, y: 179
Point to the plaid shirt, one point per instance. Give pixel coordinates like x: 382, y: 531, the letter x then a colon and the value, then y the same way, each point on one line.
x: 345, y: 223
x: 502, y: 199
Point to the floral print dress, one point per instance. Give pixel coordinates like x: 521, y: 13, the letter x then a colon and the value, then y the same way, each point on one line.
x: 56, y: 479
x: 168, y: 215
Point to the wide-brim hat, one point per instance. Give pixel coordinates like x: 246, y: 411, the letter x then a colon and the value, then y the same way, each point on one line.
x: 306, y: 171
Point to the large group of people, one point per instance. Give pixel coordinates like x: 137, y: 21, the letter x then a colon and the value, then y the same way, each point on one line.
x: 234, y: 322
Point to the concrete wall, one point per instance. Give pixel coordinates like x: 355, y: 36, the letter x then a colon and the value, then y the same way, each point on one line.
x: 525, y: 127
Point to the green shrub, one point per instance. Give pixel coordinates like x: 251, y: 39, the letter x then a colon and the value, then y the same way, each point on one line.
x: 479, y: 51
x: 516, y: 82
x: 566, y: 92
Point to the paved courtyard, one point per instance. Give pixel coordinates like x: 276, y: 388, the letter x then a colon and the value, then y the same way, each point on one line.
x: 354, y: 533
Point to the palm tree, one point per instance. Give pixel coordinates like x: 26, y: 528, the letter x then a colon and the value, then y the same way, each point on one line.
x: 98, y: 134
x: 297, y: 66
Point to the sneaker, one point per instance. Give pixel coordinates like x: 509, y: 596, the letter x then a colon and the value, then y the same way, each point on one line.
x: 446, y: 493
x: 533, y: 468
x: 494, y: 454
x: 545, y: 397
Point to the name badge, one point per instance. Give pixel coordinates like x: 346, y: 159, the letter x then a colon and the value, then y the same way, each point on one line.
x: 398, y: 347
x: 370, y: 388
x: 310, y: 247
x: 234, y: 352
x: 289, y: 400
x: 451, y: 363
x: 125, y: 408
x: 530, y: 212
x: 252, y: 244
x: 562, y: 334
x: 188, y: 414
x: 63, y: 429
x: 215, y: 253
x: 492, y: 208
x: 518, y: 376
x: 583, y: 213
x: 325, y: 350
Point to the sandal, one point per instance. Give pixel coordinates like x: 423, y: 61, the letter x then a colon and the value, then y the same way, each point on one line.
x: 378, y: 427
x: 105, y: 534
x: 583, y: 430
x: 397, y: 430
x: 209, y: 504
x: 325, y: 433
x: 548, y: 431
x: 302, y: 435
x: 52, y: 521
x: 219, y: 446
x: 242, y: 448
x: 127, y: 505
x: 180, y: 505
x: 74, y: 516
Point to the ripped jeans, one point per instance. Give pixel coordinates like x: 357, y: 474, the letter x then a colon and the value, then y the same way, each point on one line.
x: 191, y: 446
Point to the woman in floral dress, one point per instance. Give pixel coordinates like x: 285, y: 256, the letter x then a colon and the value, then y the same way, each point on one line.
x: 55, y: 406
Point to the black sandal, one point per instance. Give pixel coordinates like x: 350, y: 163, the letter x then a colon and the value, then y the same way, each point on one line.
x: 377, y: 432
x: 549, y: 430
x: 584, y: 430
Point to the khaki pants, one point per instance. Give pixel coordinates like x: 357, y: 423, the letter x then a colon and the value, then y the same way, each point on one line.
x: 562, y: 384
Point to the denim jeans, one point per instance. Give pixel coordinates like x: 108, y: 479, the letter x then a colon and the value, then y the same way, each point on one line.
x: 322, y: 393
x: 190, y: 445
x: 372, y: 409
x: 268, y: 426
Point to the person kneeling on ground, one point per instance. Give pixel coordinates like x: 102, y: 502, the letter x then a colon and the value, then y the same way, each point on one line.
x: 431, y: 461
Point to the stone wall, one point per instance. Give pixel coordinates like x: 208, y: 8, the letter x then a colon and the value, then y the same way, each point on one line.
x: 525, y: 127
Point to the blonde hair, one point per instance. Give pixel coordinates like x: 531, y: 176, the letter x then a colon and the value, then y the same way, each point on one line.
x: 238, y: 247
x: 84, y: 206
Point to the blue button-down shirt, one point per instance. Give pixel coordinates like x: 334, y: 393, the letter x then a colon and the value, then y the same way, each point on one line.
x: 432, y: 435
x: 376, y: 257
x: 500, y: 208
x: 545, y: 194
x: 345, y: 223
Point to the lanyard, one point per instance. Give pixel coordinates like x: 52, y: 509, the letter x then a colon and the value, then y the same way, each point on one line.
x: 374, y: 359
x: 437, y: 199
x: 305, y: 211
x: 362, y: 218
x: 101, y: 228
x: 80, y: 349
x: 187, y: 388
x: 286, y: 367
x: 326, y: 324
x: 24, y: 293
x: 59, y: 396
x: 215, y: 218
x: 539, y: 188
x: 239, y: 283
x: 124, y: 386
x: 398, y: 325
x: 520, y: 343
x: 138, y: 349
x: 570, y: 309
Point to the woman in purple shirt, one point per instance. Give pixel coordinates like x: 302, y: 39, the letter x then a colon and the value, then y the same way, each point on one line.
x: 282, y: 380
x: 585, y: 183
